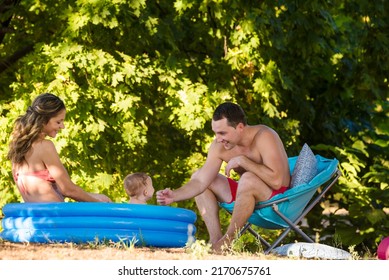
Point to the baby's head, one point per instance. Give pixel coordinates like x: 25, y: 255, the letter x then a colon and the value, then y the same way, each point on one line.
x: 138, y: 185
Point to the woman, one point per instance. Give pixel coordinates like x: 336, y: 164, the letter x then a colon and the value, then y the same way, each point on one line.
x: 36, y: 166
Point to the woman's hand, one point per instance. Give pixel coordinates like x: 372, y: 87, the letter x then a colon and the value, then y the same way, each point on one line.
x: 101, y: 197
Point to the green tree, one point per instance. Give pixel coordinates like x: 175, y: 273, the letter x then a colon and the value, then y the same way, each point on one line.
x: 140, y: 80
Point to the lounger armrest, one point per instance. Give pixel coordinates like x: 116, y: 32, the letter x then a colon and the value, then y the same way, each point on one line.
x: 270, y: 203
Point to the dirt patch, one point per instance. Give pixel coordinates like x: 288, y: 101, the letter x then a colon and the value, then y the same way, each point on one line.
x: 31, y: 251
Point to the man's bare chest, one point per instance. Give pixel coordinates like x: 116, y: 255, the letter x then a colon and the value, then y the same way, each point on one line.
x: 251, y: 154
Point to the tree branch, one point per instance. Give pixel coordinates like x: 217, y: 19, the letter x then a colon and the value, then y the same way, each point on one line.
x: 5, y: 64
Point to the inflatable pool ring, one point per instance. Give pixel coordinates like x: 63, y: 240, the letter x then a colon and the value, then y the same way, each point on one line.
x: 83, y: 222
x: 383, y: 249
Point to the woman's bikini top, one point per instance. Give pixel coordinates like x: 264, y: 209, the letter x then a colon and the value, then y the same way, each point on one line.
x: 42, y: 174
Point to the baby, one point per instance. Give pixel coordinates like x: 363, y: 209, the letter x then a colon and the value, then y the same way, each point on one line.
x: 139, y: 187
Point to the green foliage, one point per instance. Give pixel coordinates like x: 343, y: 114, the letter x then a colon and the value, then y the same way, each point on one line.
x: 141, y: 79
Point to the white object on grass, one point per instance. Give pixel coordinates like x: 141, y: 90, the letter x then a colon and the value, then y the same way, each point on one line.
x: 312, y: 250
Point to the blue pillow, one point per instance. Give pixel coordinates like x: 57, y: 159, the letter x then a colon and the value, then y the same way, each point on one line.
x: 305, y: 168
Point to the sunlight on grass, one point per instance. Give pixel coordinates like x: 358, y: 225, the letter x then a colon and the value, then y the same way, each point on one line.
x: 199, y: 249
x: 123, y: 243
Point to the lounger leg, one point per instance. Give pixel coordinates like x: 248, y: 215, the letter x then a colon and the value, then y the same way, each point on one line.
x: 278, y: 241
x: 286, y: 231
x: 292, y: 225
x: 248, y: 228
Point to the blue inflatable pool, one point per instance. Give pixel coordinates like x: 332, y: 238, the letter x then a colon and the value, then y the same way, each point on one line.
x: 83, y: 222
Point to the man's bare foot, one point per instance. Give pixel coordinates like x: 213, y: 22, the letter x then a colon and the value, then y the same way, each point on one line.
x: 221, y: 245
x: 217, y: 248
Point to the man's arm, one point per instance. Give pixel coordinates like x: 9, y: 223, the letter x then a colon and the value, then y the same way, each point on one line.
x: 199, y: 181
x: 273, y: 168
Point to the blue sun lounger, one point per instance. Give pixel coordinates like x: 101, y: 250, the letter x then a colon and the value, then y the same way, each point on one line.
x: 285, y: 211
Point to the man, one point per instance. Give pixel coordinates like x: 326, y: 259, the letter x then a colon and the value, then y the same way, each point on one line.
x: 255, y: 152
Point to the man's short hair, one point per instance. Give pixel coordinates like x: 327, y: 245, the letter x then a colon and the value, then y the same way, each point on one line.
x: 232, y: 112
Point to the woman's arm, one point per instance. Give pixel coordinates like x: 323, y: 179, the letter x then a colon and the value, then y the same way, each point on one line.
x: 65, y: 185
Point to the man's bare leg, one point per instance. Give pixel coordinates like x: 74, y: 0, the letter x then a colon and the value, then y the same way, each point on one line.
x: 207, y: 203
x: 209, y: 210
x: 250, y: 191
x: 244, y: 207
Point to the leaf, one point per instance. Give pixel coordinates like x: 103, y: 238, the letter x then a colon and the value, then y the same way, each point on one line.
x: 376, y: 216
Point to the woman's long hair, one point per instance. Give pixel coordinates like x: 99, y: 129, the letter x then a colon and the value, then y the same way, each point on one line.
x: 28, y: 127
